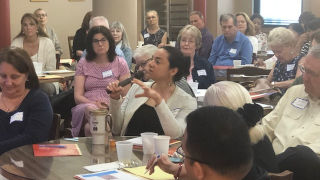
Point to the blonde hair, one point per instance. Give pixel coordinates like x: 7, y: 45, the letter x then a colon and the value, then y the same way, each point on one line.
x: 228, y: 94
x: 250, y: 31
x: 194, y: 32
x: 281, y: 36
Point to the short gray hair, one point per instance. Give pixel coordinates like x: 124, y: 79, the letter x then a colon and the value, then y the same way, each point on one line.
x: 194, y: 32
x: 197, y: 13
x: 99, y: 19
x: 281, y: 36
x: 228, y: 94
x: 226, y: 17
x: 147, y: 50
x: 315, y: 51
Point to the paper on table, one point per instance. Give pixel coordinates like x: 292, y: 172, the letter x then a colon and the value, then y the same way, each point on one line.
x: 158, y: 173
x: 103, y: 167
x: 265, y: 105
x: 114, y: 174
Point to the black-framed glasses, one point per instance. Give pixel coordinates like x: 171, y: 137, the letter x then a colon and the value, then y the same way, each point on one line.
x: 96, y: 41
x: 180, y: 152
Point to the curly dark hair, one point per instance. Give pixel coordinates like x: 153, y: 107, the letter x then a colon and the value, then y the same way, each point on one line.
x: 91, y: 55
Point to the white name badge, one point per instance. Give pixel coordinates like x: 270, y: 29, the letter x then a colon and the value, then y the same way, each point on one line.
x: 290, y: 67
x: 300, y: 103
x: 16, y: 117
x: 107, y: 74
x: 146, y: 35
x: 233, y: 51
x: 202, y: 72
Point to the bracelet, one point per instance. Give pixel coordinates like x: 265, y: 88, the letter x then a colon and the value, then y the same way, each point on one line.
x: 176, y: 176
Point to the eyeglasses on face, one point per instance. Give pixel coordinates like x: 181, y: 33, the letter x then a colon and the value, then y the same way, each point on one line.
x: 96, y: 41
x: 180, y: 152
x: 151, y: 17
x: 308, y: 71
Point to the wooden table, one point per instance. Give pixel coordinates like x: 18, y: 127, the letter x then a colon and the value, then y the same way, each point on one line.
x: 56, y: 77
x: 61, y: 167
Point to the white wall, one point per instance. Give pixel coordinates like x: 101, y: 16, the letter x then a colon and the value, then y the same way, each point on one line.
x: 65, y: 16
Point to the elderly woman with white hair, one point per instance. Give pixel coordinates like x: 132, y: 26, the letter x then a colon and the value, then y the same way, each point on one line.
x: 121, y: 38
x: 201, y: 71
x: 282, y: 42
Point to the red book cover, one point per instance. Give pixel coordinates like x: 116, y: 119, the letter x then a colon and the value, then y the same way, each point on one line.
x: 56, y: 150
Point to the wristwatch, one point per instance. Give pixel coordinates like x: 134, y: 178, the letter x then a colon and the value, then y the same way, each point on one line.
x: 272, y: 84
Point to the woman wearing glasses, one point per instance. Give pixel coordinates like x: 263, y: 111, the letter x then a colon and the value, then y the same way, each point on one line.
x: 93, y: 73
x: 201, y: 71
x: 159, y: 106
x: 152, y: 34
x: 282, y: 42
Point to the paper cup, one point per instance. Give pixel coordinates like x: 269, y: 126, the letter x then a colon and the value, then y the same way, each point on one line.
x: 236, y: 63
x: 124, y: 151
x: 148, y: 142
x: 161, y: 144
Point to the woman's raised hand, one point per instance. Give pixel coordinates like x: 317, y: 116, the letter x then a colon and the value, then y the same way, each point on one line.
x: 148, y: 92
x: 115, y: 90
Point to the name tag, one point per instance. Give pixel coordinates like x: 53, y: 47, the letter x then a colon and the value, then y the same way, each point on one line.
x: 202, y: 72
x: 16, y: 117
x: 300, y: 103
x: 233, y: 51
x: 107, y: 74
x: 146, y: 35
x: 290, y: 67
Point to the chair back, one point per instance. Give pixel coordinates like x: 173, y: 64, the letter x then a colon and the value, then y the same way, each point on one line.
x: 70, y: 43
x: 55, y: 127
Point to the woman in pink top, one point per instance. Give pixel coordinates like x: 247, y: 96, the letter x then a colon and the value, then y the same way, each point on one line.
x: 100, y: 67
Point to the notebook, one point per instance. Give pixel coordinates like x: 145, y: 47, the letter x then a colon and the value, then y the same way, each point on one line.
x: 56, y: 150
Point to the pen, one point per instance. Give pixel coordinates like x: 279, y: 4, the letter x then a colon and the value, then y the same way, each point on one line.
x: 154, y: 163
x: 52, y: 146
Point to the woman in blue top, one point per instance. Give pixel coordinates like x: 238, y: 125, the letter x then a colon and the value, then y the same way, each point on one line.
x: 201, y: 71
x: 282, y: 42
x: 120, y: 37
x: 25, y: 111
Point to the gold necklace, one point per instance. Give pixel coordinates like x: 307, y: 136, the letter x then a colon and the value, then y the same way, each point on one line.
x: 6, y: 107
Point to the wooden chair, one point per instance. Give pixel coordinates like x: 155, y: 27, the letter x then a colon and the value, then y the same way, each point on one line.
x: 55, y: 127
x: 285, y: 175
x: 70, y: 43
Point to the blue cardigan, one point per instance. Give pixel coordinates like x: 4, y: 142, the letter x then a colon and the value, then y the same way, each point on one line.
x: 203, y: 72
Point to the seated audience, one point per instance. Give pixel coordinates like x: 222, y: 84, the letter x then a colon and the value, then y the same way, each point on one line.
x: 152, y: 34
x: 236, y: 97
x: 196, y: 18
x: 79, y: 41
x: 262, y: 37
x: 201, y: 71
x: 293, y: 126
x: 25, y: 111
x: 39, y: 47
x: 311, y: 27
x: 282, y: 42
x: 303, y: 43
x: 121, y: 39
x: 231, y: 45
x: 305, y: 17
x: 296, y: 28
x: 158, y: 106
x: 100, y: 67
x: 43, y: 20
x: 143, y: 55
x: 246, y: 26
x: 216, y: 145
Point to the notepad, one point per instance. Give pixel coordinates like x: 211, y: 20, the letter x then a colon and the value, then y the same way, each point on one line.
x: 157, y: 175
x: 56, y: 150
x: 114, y: 174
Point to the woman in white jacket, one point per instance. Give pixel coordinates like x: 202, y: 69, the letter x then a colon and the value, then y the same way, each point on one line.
x: 158, y: 106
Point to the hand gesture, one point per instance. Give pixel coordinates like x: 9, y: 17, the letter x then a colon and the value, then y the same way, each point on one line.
x: 148, y: 92
x: 101, y: 104
x: 115, y: 90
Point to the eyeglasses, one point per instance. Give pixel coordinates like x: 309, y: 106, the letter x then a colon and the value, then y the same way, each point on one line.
x: 41, y: 15
x: 180, y: 152
x: 151, y: 17
x: 143, y: 64
x: 308, y: 71
x: 96, y: 41
x: 187, y: 41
